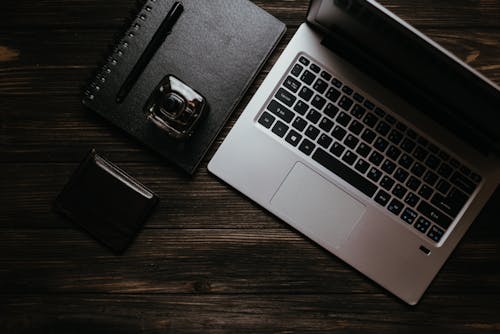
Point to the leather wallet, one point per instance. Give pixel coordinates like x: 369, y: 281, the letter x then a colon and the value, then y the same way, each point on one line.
x: 106, y: 202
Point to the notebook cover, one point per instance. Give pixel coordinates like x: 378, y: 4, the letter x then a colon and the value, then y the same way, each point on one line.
x: 217, y: 47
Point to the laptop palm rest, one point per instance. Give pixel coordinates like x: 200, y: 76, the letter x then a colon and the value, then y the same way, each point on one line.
x: 317, y: 207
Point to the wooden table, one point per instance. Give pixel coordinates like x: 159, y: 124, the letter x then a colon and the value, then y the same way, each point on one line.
x: 209, y: 260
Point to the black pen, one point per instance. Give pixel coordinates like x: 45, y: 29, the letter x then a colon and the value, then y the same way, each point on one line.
x: 153, y: 46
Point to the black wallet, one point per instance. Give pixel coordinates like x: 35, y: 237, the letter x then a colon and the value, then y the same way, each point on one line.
x: 106, y: 202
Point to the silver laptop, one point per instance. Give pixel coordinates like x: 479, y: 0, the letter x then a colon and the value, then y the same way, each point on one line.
x: 371, y: 140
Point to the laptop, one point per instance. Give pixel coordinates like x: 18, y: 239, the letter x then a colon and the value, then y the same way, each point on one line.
x: 371, y: 140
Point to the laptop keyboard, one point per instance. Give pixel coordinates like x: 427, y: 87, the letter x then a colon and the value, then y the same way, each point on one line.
x: 370, y: 149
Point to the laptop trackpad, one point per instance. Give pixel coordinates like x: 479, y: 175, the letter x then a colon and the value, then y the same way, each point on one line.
x: 317, y: 207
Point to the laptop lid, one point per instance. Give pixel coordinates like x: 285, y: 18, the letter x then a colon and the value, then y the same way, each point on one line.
x: 413, y: 66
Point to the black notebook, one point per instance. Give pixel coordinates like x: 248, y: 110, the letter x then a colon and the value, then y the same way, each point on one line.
x: 216, y: 47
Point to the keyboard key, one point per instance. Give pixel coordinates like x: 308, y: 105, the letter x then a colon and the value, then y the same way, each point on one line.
x: 408, y: 145
x: 434, y: 214
x: 293, y: 138
x: 307, y: 77
x: 381, y: 144
x: 380, y: 112
x: 313, y: 116
x: 418, y: 169
x: 393, y: 152
x: 315, y: 68
x: 299, y: 124
x: 320, y: 86
x: 432, y: 162
x: 374, y: 174
x: 422, y: 141
x: 451, y: 204
x: 325, y: 141
x: 443, y: 186
x: 358, y: 97
x: 413, y: 183
x: 348, y: 90
x: 395, y: 137
x: 412, y: 134
x: 376, y: 158
x: 307, y: 147
x: 412, y: 199
x: 435, y: 233
x: 409, y: 216
x: 337, y: 149
x: 337, y: 83
x: 383, y: 128
x: 362, y: 166
x: 445, y: 170
x: 368, y: 136
x: 304, y: 61
x: 326, y: 124
x: 351, y: 141
x: 312, y: 132
x: 306, y: 93
x: 387, y: 183
x: 343, y: 119
x: 281, y: 111
x: 344, y: 172
x: 333, y: 94
x: 345, y: 103
x: 370, y: 120
x: 363, y: 150
x: 356, y: 127
x: 331, y: 110
x: 454, y: 163
x: 280, y: 129
x: 266, y: 120
x: 399, y: 191
x: 476, y: 178
x: 406, y: 161
x: 349, y: 158
x: 425, y: 192
x: 388, y: 166
x: 420, y: 153
x: 292, y: 84
x: 430, y: 178
x: 401, y: 175
x: 401, y: 127
x: 285, y: 97
x: 466, y: 171
x: 339, y: 133
x: 358, y: 111
x: 318, y: 102
x: 369, y: 105
x: 325, y: 75
x: 297, y: 69
x: 391, y: 120
x: 301, y: 107
x: 443, y: 155
x: 433, y: 148
x: 463, y: 183
x: 422, y: 224
x: 395, y: 207
x: 382, y: 198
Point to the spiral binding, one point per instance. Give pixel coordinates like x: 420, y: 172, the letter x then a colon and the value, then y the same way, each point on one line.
x: 118, y: 51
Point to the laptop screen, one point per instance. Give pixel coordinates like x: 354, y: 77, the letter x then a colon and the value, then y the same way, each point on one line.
x: 414, y: 67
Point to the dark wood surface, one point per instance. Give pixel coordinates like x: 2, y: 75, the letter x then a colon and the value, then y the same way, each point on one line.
x: 209, y: 260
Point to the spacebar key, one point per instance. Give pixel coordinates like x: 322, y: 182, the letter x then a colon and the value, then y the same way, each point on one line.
x: 345, y: 173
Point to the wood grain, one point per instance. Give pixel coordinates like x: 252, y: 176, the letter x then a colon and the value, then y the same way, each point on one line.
x: 213, y: 261
x: 247, y: 314
x: 209, y: 260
